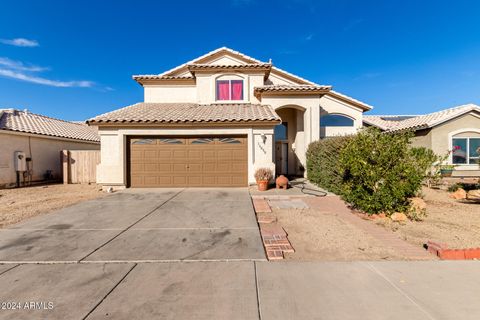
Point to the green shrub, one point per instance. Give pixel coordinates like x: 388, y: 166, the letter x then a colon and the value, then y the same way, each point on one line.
x: 374, y: 171
x: 454, y: 187
x: 322, y: 163
x: 382, y: 171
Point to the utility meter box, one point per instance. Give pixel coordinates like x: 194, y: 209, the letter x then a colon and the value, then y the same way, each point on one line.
x: 20, y: 161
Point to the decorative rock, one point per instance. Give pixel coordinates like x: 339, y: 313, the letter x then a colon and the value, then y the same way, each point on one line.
x: 399, y: 217
x: 459, y: 194
x: 418, y: 205
x: 282, y: 182
x: 473, y: 195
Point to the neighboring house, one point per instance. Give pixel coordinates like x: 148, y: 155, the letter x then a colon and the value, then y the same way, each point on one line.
x: 41, y: 139
x: 213, y: 120
x: 456, y: 130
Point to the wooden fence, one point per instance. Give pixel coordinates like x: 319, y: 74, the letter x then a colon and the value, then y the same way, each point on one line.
x: 80, y: 166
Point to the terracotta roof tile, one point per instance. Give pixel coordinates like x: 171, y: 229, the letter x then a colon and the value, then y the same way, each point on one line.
x: 292, y: 88
x: 158, y: 77
x: 398, y: 122
x: 200, y: 66
x: 27, y: 122
x: 188, y: 113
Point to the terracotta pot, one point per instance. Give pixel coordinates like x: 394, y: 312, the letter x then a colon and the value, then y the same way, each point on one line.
x: 281, y: 182
x: 262, y: 185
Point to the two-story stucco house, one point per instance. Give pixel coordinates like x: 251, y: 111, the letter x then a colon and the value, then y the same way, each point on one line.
x: 213, y: 120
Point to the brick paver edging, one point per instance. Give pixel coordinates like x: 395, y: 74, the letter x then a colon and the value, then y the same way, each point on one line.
x: 442, y: 251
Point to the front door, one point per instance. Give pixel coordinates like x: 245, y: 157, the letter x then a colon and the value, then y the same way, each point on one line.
x: 281, y: 157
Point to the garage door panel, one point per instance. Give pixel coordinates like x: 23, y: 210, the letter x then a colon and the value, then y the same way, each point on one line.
x: 179, y: 154
x: 195, y: 155
x: 238, y: 154
x: 209, y: 167
x: 194, y: 161
x: 179, y: 168
x: 179, y: 180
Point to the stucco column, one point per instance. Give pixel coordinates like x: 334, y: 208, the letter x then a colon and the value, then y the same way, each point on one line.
x: 110, y: 171
x: 263, y: 149
x: 314, y: 124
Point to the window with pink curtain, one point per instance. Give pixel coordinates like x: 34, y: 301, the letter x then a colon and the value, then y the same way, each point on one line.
x: 223, y: 90
x: 237, y: 90
x: 229, y: 89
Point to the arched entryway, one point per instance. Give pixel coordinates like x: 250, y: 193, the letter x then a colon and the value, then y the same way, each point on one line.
x: 290, y: 141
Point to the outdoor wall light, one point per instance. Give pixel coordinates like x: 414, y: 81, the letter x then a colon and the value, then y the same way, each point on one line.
x: 264, y: 137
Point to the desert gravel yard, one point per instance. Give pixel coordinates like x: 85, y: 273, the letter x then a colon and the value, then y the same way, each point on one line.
x: 22, y: 203
x: 317, y: 236
x: 454, y: 222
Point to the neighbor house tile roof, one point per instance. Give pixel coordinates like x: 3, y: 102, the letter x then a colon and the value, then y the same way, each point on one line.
x: 188, y: 113
x: 27, y: 122
x: 398, y: 122
x: 292, y: 88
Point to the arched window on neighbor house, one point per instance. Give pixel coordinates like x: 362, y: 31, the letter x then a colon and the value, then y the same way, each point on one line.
x: 336, y: 120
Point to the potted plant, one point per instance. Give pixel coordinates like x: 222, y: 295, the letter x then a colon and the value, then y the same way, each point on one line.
x: 263, y: 176
x: 446, y: 170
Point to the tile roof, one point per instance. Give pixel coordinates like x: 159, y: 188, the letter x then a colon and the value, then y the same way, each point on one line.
x: 398, y: 122
x: 158, y: 77
x: 27, y: 122
x: 188, y: 113
x: 206, y: 66
x: 292, y: 88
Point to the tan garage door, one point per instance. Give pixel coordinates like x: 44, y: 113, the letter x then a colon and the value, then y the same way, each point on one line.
x: 188, y: 161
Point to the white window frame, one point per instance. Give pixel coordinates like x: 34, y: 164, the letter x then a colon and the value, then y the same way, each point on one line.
x: 451, y: 136
x: 230, y: 76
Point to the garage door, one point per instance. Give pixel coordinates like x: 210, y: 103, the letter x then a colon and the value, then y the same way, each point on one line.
x: 188, y: 161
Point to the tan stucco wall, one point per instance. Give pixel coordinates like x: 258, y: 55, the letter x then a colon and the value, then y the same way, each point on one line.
x: 423, y: 138
x: 179, y: 93
x: 45, y: 154
x: 112, y: 171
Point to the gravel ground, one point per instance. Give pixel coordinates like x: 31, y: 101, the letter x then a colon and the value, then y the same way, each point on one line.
x: 20, y: 204
x: 454, y: 222
x: 319, y: 236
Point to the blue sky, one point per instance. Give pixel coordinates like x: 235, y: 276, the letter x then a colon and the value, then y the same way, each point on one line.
x: 74, y: 60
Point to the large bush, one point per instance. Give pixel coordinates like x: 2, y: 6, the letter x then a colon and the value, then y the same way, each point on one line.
x: 382, y: 171
x: 374, y: 171
x: 322, y: 163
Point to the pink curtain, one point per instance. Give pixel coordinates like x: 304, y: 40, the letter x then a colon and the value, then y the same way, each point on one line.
x: 237, y: 90
x: 222, y: 90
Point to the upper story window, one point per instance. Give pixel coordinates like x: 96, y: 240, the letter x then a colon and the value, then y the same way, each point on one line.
x: 465, y: 150
x: 229, y: 89
x: 336, y: 120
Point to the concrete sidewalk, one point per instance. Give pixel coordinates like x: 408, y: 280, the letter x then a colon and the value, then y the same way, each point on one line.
x: 245, y: 290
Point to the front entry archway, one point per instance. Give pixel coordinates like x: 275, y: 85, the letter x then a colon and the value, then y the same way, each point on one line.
x: 289, y: 141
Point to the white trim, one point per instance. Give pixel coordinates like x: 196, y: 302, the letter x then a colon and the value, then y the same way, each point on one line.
x: 450, y: 148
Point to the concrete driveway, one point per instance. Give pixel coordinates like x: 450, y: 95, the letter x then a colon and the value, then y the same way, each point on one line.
x: 196, y: 254
x: 141, y: 225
